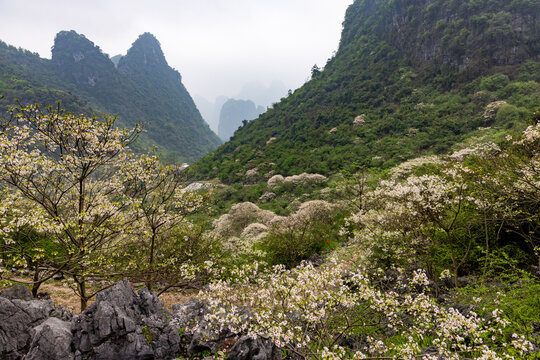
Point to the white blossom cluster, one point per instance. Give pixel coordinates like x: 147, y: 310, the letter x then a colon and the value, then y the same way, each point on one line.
x: 482, y: 149
x: 307, y: 311
x: 303, y: 179
x: 246, y: 224
x: 239, y: 217
x: 491, y: 109
x: 405, y: 168
x: 309, y: 212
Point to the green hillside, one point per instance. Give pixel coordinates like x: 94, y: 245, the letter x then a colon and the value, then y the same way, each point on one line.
x: 85, y: 80
x: 27, y: 77
x: 409, y: 78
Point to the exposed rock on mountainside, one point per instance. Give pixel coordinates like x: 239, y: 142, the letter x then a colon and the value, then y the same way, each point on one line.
x: 471, y: 34
x: 79, y: 61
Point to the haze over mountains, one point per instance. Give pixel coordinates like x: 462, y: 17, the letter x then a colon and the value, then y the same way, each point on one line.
x: 255, y: 91
x: 234, y: 113
x: 409, y: 78
x: 141, y: 89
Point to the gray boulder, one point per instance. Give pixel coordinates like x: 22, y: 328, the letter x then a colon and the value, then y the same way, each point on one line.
x: 51, y: 340
x: 188, y: 313
x: 18, y: 318
x: 248, y: 348
x: 17, y: 292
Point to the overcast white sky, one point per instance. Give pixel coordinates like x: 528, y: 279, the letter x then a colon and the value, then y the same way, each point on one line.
x: 217, y: 45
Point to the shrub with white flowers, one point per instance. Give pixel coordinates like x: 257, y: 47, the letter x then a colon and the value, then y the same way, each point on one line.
x: 318, y: 312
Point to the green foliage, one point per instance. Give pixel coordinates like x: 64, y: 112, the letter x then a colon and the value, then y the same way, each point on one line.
x: 494, y: 82
x: 147, y: 333
x: 179, y: 257
x: 167, y: 316
x: 31, y: 249
x: 519, y: 301
x: 507, y: 114
x: 290, y: 246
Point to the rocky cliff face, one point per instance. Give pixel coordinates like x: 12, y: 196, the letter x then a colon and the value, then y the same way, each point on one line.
x: 80, y: 61
x: 144, y: 55
x: 460, y: 34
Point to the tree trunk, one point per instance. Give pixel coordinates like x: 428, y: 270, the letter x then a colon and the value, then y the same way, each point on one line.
x: 149, y: 278
x: 82, y: 282
x: 83, y: 295
x: 36, y: 283
x: 486, y: 262
x: 455, y: 267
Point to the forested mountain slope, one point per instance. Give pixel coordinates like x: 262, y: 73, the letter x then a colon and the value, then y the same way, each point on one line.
x: 409, y: 78
x: 143, y: 89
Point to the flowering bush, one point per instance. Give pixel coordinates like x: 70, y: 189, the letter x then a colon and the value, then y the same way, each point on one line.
x: 307, y: 231
x: 247, y: 230
x: 317, y: 313
x: 301, y: 180
x: 239, y: 217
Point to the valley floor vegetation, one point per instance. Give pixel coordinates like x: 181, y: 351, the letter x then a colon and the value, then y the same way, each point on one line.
x: 436, y: 258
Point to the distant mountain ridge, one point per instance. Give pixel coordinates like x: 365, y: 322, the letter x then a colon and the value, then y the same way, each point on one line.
x: 233, y: 114
x: 141, y: 88
x: 409, y: 78
x: 255, y: 91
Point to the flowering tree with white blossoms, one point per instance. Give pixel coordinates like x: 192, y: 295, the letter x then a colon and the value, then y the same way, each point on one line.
x: 519, y: 184
x: 25, y: 243
x: 160, y: 203
x: 413, y: 218
x: 504, y: 186
x: 68, y: 167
